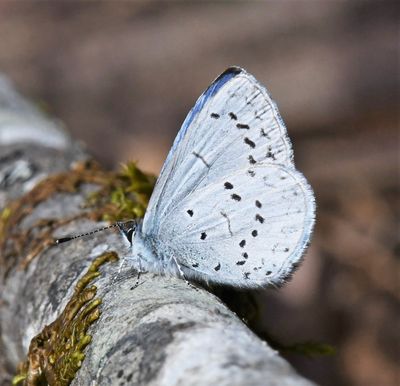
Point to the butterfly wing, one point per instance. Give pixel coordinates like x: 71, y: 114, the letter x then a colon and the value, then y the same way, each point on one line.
x: 247, y: 230
x: 232, y: 152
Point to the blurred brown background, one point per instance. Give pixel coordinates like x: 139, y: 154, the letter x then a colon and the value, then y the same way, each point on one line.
x: 123, y: 75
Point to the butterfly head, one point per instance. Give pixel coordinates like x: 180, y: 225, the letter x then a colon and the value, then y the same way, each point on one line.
x: 128, y: 229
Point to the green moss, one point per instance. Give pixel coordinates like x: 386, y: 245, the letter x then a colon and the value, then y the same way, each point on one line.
x: 57, y: 353
x: 125, y: 196
x: 5, y: 214
x: 309, y: 349
x: 4, y: 217
x: 120, y: 195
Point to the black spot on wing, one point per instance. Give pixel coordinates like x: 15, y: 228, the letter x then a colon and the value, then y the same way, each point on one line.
x: 203, y: 235
x: 249, y: 142
x: 245, y: 255
x: 251, y: 160
x: 242, y: 126
x: 217, y: 267
x: 242, y: 243
x: 241, y: 262
x: 264, y: 134
x: 228, y: 185
x: 254, y: 233
x: 233, y: 116
x: 236, y: 197
x: 214, y: 115
x: 259, y: 218
x: 190, y: 212
x: 258, y: 204
x: 195, y: 265
x: 270, y: 154
x: 251, y: 173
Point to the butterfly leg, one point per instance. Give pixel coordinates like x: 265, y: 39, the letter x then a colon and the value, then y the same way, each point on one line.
x: 139, y: 272
x: 121, y: 265
x: 182, y: 275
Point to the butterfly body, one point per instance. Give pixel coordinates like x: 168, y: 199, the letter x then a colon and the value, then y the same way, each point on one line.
x: 229, y: 206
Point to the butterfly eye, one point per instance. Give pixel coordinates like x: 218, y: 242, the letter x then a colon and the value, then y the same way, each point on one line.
x: 130, y: 234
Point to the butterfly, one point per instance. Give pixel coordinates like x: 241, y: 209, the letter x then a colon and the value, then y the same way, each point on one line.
x: 229, y: 207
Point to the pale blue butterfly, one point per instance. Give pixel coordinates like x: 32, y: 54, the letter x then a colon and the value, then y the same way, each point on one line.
x: 229, y: 207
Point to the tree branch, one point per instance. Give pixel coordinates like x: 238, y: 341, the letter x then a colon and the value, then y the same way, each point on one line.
x: 101, y: 328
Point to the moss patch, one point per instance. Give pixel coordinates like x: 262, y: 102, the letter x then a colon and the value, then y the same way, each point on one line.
x: 56, y: 354
x: 120, y: 196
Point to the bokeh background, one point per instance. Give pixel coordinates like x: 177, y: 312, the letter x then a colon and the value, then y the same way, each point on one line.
x: 123, y: 75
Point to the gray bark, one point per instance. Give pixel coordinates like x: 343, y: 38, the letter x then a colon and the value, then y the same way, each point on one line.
x: 162, y: 332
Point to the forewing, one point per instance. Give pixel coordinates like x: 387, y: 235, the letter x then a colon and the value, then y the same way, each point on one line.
x: 234, y: 125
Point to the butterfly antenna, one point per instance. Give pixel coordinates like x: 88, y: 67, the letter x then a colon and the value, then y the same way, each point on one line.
x: 65, y: 239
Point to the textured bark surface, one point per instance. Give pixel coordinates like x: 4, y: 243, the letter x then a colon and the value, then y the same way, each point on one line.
x: 161, y: 332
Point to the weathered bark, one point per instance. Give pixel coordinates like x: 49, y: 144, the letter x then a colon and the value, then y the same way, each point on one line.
x: 161, y: 332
